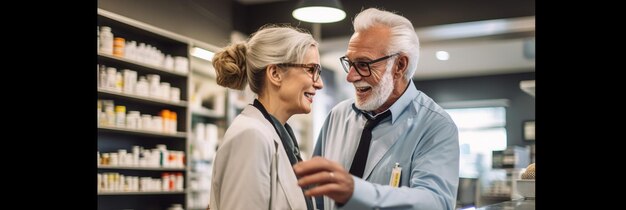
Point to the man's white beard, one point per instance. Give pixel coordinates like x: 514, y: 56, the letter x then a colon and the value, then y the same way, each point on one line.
x: 380, y: 93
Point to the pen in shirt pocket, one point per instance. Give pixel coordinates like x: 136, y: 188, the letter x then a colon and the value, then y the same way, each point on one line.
x: 396, y: 172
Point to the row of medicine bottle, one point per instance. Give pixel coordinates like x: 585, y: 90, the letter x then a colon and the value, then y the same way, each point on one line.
x: 159, y: 157
x: 109, y: 44
x: 116, y: 182
x: 125, y: 81
x: 113, y: 115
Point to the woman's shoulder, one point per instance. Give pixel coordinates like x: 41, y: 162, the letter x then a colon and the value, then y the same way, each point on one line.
x: 246, y: 124
x: 250, y: 119
x: 249, y: 129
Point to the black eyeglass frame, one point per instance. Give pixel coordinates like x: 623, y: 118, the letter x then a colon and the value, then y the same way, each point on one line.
x: 358, y: 70
x: 312, y: 68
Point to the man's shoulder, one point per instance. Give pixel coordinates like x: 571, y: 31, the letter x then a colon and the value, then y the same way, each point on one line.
x: 424, y: 101
x: 423, y: 104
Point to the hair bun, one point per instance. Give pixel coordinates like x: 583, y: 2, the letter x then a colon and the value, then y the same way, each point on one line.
x: 230, y: 66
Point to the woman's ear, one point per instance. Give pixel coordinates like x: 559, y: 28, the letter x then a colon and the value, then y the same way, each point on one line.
x: 274, y: 75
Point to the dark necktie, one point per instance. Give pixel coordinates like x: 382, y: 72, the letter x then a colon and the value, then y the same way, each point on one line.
x: 360, y: 158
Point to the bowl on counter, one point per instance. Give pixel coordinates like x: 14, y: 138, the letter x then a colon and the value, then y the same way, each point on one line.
x: 526, y: 187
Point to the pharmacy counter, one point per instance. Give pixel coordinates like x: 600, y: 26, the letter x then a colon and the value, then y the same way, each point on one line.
x: 519, y: 204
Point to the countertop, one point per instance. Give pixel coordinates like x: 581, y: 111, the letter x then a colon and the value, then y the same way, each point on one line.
x: 519, y: 204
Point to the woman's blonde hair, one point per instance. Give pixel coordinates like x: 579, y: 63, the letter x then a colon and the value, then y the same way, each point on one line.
x: 245, y: 62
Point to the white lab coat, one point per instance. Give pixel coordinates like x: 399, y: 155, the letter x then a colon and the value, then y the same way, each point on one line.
x: 251, y: 169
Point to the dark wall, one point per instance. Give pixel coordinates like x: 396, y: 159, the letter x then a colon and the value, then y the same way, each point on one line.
x: 208, y: 21
x: 521, y: 104
x: 422, y: 13
x: 211, y: 21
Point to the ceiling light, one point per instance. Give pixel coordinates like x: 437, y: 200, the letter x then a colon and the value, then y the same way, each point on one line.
x: 443, y: 55
x: 202, y: 53
x: 319, y: 11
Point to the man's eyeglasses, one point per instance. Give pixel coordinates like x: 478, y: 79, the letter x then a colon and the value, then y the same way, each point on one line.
x: 313, y: 69
x: 362, y: 68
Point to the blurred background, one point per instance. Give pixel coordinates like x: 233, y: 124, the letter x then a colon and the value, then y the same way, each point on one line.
x: 477, y: 61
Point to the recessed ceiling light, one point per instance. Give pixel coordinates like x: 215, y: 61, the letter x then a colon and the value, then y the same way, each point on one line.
x: 442, y: 55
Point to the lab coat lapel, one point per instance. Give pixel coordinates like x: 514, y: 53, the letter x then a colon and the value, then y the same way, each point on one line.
x: 254, y: 112
x: 283, y: 166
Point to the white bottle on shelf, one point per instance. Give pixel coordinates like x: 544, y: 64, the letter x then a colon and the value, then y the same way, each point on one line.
x: 106, y: 40
x: 176, y: 206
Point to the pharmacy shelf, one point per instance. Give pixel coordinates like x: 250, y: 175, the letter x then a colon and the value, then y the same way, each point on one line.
x: 134, y: 65
x: 111, y: 138
x: 202, y: 73
x: 101, y: 128
x: 142, y: 99
x: 196, y: 174
x: 206, y: 113
x: 202, y: 160
x: 142, y: 193
x: 199, y: 190
x: 141, y: 168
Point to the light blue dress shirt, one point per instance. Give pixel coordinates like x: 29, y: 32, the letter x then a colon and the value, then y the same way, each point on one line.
x: 419, y: 135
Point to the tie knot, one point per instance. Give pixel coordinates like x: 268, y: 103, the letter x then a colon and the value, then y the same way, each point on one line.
x: 372, y: 122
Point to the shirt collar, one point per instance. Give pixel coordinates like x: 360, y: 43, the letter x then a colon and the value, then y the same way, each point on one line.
x: 396, y: 108
x: 261, y: 108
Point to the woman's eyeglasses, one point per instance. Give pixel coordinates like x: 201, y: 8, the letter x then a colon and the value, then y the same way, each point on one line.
x: 313, y: 69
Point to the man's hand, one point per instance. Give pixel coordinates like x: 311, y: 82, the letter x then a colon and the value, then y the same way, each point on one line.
x: 329, y: 178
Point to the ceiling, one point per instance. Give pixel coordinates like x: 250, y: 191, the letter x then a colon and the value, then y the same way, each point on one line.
x: 483, y: 37
x: 251, y: 2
